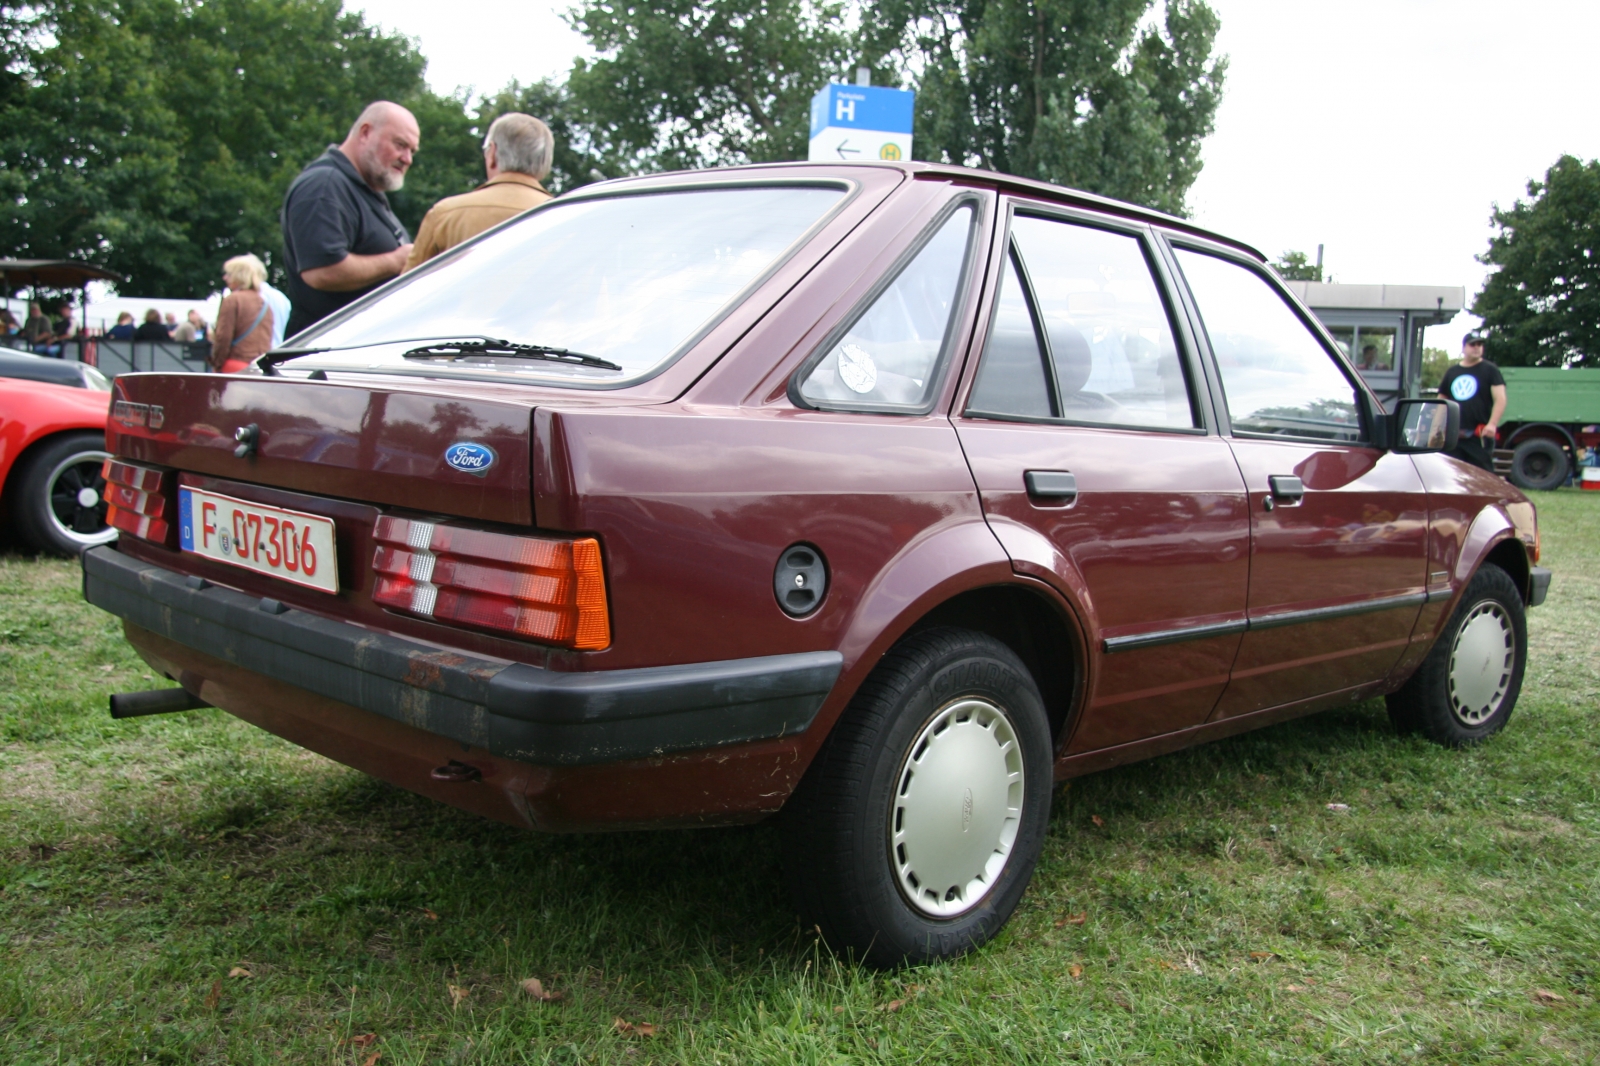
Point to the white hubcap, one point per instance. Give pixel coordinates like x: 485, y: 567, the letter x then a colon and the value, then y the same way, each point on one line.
x: 88, y: 497
x: 1481, y: 663
x: 956, y: 808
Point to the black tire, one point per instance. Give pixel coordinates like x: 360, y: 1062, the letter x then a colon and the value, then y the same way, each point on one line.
x: 1467, y: 687
x: 902, y: 750
x: 1539, y: 463
x: 48, y: 508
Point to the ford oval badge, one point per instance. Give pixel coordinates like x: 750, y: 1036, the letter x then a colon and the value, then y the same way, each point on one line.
x: 469, y: 458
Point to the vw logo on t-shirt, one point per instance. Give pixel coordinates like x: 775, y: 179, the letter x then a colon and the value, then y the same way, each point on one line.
x: 1464, y: 388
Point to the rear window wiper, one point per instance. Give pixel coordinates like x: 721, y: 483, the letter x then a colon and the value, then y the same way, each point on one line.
x: 490, y: 346
x: 448, y: 345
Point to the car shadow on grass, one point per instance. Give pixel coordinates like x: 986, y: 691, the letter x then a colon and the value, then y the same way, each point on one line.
x: 383, y: 875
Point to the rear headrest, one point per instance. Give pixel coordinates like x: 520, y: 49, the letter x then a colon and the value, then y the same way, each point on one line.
x: 1073, y: 358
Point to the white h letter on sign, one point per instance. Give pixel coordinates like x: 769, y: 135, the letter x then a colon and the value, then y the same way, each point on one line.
x: 846, y: 110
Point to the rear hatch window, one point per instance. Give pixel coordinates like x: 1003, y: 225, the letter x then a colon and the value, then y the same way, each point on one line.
x: 594, y: 292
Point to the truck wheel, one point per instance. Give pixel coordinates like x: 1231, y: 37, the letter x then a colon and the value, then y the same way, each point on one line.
x: 60, y: 503
x: 1539, y: 463
x: 1467, y: 686
x: 916, y: 830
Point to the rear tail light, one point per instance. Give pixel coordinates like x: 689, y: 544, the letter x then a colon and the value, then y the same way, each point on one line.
x: 541, y: 588
x: 136, y: 500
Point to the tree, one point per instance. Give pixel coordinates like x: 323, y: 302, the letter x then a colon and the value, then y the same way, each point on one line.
x: 1435, y: 361
x: 1296, y: 266
x: 697, y: 83
x: 157, y: 137
x: 1541, y: 306
x: 1069, y: 91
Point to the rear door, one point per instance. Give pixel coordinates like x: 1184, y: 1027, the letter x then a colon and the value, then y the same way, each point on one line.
x: 1338, y: 527
x: 1098, y: 472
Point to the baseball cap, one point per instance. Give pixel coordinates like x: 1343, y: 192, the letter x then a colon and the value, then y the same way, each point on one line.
x: 1474, y: 337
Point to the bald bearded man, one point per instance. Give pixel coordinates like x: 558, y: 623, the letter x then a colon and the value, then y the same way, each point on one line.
x: 341, y: 240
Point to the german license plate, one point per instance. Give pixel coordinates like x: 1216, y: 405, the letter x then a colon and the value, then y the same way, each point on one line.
x: 289, y: 545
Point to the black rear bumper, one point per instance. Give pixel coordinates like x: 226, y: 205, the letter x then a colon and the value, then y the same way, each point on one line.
x: 511, y: 709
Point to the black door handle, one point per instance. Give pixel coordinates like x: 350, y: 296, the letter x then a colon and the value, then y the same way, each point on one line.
x: 1051, y: 484
x: 1286, y: 488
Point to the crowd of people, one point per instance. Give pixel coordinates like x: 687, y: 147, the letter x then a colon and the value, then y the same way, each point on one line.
x: 38, y: 332
x: 44, y: 335
x: 341, y: 240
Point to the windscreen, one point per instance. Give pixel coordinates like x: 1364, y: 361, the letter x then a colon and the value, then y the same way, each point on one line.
x: 630, y: 280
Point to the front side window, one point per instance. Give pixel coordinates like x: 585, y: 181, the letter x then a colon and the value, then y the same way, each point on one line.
x: 889, y: 359
x: 1277, y: 377
x: 1096, y: 320
x: 630, y: 280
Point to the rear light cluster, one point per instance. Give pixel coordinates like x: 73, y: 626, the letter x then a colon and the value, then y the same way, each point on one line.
x: 540, y: 588
x: 136, y: 500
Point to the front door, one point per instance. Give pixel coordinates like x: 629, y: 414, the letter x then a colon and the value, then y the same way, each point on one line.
x: 1338, y: 527
x: 1098, y: 474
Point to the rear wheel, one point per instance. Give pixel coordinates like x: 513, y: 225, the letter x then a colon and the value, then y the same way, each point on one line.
x: 917, y: 828
x: 1467, y: 687
x: 59, y: 505
x: 1539, y: 463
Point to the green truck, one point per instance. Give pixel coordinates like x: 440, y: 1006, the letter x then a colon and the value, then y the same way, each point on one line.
x: 1551, y: 425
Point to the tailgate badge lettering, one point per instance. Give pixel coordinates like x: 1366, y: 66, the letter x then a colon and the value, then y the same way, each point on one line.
x: 469, y: 458
x: 138, y: 414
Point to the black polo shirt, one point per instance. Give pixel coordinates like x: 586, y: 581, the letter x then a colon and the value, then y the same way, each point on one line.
x: 328, y: 213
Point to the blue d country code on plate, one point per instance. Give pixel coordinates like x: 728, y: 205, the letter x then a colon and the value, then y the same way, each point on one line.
x: 289, y: 545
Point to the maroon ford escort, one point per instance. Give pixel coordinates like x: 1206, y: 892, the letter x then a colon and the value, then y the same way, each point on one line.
x: 882, y: 496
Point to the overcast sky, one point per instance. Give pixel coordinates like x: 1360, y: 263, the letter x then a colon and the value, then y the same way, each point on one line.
x: 1383, y: 129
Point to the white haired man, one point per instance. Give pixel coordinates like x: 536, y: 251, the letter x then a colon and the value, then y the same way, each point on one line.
x: 341, y: 240
x: 516, y: 153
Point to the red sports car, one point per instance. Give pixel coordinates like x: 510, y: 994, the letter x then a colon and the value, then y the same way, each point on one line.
x: 52, y: 446
x: 884, y: 496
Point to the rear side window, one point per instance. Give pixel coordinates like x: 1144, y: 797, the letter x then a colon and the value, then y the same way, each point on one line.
x: 1277, y: 377
x: 889, y: 359
x: 1081, y: 333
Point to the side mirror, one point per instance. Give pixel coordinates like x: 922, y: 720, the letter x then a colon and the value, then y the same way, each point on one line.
x: 1426, y: 425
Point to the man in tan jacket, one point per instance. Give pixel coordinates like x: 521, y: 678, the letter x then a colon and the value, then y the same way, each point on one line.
x: 516, y: 153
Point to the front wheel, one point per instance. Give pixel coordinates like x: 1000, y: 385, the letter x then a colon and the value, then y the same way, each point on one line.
x: 916, y: 830
x: 59, y: 506
x: 1466, y: 688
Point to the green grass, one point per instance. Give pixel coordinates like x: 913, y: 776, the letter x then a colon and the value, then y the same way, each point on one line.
x: 1228, y: 915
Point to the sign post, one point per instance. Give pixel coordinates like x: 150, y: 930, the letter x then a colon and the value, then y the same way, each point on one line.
x: 856, y: 123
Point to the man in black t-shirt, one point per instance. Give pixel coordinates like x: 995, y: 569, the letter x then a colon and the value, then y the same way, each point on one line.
x: 340, y: 238
x: 1479, y: 387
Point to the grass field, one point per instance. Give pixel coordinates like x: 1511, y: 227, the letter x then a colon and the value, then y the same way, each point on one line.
x: 189, y: 889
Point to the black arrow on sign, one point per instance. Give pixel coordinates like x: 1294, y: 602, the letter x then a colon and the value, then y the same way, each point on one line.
x: 842, y: 149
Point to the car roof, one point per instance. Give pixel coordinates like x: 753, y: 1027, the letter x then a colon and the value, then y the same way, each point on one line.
x: 1004, y: 182
x: 38, y: 368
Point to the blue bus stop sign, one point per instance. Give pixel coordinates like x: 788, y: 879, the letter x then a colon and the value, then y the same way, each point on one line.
x: 852, y: 123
